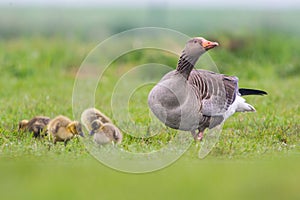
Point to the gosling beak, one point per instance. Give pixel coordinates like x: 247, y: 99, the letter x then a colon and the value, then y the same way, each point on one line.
x: 81, y: 134
x: 92, y: 132
x: 208, y: 44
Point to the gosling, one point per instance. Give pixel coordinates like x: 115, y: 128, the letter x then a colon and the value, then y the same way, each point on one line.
x: 105, y: 133
x: 62, y: 129
x: 89, y: 117
x: 36, y: 125
x: 23, y: 124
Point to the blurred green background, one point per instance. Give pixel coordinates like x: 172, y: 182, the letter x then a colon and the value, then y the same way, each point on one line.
x: 258, y: 155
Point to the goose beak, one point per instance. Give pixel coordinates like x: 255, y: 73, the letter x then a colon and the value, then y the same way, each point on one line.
x: 208, y: 44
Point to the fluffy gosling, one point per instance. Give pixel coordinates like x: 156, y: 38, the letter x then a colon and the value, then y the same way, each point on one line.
x: 62, y: 129
x: 36, y: 125
x: 89, y: 117
x: 105, y: 133
x: 23, y: 125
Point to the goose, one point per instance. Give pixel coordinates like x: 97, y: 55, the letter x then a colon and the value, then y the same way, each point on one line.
x: 62, y: 129
x: 193, y: 100
x: 90, y: 116
x: 37, y: 125
x: 105, y: 133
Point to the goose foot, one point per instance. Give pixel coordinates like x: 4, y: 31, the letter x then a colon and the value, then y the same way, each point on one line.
x: 197, y: 136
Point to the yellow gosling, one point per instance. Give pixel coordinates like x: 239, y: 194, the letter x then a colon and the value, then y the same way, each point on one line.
x: 62, y: 129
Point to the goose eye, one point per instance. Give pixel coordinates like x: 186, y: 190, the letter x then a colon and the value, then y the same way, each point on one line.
x: 195, y: 41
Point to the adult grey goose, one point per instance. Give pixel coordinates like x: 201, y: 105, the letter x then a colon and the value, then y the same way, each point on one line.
x: 193, y: 100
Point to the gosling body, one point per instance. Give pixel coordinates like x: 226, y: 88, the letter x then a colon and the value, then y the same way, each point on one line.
x: 36, y: 125
x: 62, y: 129
x: 107, y: 133
x: 90, y: 116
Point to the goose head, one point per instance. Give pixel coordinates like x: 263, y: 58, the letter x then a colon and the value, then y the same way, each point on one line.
x: 197, y: 46
x: 193, y: 49
x: 75, y: 128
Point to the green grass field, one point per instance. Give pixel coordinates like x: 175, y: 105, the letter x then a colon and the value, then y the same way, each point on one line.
x: 257, y: 156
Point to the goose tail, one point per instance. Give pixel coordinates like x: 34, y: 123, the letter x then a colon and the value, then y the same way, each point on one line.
x: 245, y: 91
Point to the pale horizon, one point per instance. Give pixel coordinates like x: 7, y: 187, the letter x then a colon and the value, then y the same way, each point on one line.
x: 254, y: 4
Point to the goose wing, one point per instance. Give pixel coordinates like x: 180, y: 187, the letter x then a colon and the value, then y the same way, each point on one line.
x: 215, y: 92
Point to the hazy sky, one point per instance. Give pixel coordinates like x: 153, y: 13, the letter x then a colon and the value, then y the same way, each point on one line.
x: 170, y: 3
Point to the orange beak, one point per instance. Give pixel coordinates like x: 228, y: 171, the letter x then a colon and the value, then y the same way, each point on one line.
x: 208, y: 44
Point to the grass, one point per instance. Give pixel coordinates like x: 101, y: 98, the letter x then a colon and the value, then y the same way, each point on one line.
x: 257, y: 155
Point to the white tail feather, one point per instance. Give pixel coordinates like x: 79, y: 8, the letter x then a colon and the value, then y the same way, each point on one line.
x: 242, y: 106
x: 245, y: 107
x: 239, y: 105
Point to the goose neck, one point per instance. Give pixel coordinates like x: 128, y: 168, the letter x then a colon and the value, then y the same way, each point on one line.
x: 185, y: 65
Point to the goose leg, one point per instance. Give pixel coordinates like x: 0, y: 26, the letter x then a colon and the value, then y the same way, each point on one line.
x: 194, y: 134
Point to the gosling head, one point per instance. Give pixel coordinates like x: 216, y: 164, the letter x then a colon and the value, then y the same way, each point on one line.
x: 96, y: 124
x: 23, y: 125
x: 75, y: 128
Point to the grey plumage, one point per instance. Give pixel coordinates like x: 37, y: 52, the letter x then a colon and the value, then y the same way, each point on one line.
x: 189, y: 99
